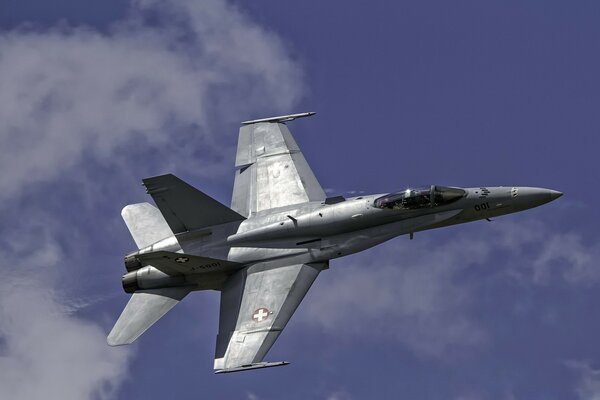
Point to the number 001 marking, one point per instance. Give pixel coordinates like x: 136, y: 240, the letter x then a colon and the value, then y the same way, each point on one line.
x: 482, y: 207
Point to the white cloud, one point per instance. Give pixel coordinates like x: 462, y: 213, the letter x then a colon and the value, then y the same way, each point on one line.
x: 569, y: 249
x: 479, y: 395
x: 339, y: 395
x: 74, y: 96
x: 588, y: 386
x: 47, y: 353
x: 418, y: 292
x: 45, y: 350
x: 404, y: 290
x: 542, y: 254
x: 70, y: 93
x: 251, y: 396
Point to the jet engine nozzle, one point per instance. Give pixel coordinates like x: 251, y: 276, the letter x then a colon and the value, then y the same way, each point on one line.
x: 130, y: 282
x: 132, y: 263
x: 149, y: 277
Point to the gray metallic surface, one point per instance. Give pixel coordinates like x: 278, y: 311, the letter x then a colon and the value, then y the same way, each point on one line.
x: 149, y: 277
x: 252, y: 366
x: 143, y: 310
x: 281, y: 118
x: 176, y: 264
x: 269, y: 298
x: 145, y: 223
x: 271, y: 171
x: 184, y: 207
x: 264, y: 255
x: 231, y: 300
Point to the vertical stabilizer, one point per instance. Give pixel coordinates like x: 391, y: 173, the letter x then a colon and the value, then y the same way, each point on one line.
x: 184, y: 207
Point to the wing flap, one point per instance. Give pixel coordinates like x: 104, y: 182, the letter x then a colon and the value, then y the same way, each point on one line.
x: 142, y: 311
x: 256, y: 305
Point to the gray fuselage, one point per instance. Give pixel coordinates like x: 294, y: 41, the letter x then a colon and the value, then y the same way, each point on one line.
x: 317, y: 231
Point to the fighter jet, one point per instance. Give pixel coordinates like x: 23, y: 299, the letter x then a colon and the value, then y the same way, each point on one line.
x: 264, y: 253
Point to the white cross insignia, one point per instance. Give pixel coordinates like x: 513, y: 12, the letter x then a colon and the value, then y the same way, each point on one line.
x: 182, y: 260
x: 260, y: 314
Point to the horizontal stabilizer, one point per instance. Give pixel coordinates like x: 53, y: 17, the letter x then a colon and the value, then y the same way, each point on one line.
x: 144, y: 308
x: 183, y: 264
x: 184, y: 207
x: 145, y: 223
x: 253, y: 366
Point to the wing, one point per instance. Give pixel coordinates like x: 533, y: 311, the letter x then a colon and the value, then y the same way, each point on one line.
x: 270, y: 169
x: 256, y: 304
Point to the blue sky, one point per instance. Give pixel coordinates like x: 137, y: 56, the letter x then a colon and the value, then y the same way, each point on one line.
x: 94, y: 98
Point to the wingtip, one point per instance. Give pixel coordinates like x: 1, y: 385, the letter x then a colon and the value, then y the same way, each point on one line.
x: 280, y: 118
x: 113, y: 340
x: 252, y: 366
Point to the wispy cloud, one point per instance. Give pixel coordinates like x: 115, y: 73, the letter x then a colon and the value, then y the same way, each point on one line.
x: 69, y: 93
x: 422, y: 293
x: 75, y: 101
x: 588, y: 385
x: 540, y: 254
x: 479, y: 395
x: 46, y: 351
x: 339, y: 395
x: 405, y: 291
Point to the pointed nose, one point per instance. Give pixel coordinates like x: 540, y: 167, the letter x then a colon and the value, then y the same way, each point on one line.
x: 554, y: 194
x: 529, y: 197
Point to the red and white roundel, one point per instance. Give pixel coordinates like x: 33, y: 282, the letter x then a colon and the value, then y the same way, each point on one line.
x: 261, y: 314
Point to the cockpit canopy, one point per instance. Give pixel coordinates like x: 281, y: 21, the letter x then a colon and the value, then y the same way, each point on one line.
x: 422, y: 197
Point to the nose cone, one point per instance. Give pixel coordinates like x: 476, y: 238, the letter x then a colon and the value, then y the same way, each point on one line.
x: 554, y: 194
x: 528, y: 197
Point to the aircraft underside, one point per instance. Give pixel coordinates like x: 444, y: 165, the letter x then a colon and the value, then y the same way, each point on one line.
x: 264, y: 253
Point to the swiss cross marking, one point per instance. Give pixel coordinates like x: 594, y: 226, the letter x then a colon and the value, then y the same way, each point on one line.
x: 182, y: 260
x: 260, y: 314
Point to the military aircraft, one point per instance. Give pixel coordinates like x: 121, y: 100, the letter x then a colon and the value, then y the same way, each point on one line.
x: 281, y: 231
